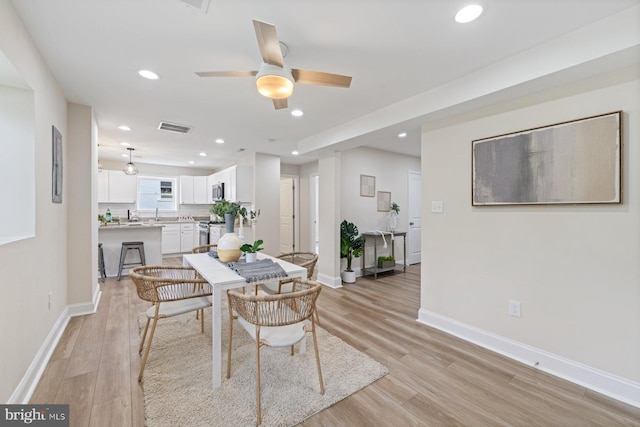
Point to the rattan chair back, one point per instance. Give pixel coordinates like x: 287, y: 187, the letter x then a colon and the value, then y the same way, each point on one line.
x: 307, y: 260
x: 278, y: 309
x: 203, y: 249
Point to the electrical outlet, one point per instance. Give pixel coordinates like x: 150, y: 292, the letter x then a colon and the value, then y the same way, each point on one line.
x: 514, y: 308
x: 50, y: 299
x: 437, y: 206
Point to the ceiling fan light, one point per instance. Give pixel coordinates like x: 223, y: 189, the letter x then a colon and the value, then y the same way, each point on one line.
x: 274, y: 82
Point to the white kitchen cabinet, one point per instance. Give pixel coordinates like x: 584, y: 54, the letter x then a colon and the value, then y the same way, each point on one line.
x: 123, y: 188
x: 171, y: 239
x: 103, y: 186
x: 200, y: 192
x: 240, y: 185
x: 186, y: 237
x: 117, y: 187
x: 193, y: 190
x: 186, y: 190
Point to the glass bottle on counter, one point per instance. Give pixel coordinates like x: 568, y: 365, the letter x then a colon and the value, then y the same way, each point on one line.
x: 107, y: 217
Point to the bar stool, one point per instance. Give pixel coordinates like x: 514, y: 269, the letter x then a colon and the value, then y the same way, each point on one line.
x: 126, y: 247
x: 101, y: 269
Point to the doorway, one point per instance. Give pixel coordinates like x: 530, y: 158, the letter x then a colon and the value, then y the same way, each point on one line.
x: 288, y: 208
x: 314, y: 194
x: 415, y: 218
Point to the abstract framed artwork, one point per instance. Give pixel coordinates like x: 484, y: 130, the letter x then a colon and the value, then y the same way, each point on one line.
x: 575, y: 162
x: 56, y: 165
x: 367, y: 186
x: 384, y: 201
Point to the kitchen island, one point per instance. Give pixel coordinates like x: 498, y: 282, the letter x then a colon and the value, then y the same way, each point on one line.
x: 111, y: 236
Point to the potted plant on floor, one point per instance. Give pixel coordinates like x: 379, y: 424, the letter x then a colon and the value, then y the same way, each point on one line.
x: 251, y: 251
x: 351, y: 246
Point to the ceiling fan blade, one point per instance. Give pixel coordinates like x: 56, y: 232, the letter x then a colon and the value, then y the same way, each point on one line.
x: 268, y: 43
x: 226, y: 73
x: 320, y: 78
x: 280, y: 103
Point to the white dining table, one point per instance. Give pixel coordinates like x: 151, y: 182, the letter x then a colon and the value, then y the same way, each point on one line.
x: 221, y: 279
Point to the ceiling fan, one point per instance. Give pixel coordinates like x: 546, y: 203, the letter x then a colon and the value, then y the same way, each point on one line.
x: 272, y: 78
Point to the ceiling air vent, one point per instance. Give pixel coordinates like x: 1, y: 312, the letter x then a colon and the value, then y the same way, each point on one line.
x: 174, y: 127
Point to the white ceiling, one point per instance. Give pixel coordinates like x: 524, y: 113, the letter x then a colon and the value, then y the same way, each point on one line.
x: 396, y: 51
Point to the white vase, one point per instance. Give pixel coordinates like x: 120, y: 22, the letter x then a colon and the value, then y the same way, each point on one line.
x: 229, y: 247
x: 393, y: 221
x: 250, y: 256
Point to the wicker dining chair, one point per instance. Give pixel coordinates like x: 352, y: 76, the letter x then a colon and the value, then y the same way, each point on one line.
x: 280, y: 320
x: 203, y: 249
x: 307, y: 260
x: 172, y: 290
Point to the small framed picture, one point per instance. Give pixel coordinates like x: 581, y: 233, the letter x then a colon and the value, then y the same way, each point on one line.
x: 367, y: 186
x: 56, y: 165
x: 384, y: 201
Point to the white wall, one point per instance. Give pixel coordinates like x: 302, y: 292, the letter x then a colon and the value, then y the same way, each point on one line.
x: 17, y: 184
x: 82, y: 263
x: 267, y: 198
x: 306, y: 171
x: 391, y: 173
x: 575, y: 269
x: 33, y: 267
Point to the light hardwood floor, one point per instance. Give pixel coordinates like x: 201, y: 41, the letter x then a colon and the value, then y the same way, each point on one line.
x: 434, y: 379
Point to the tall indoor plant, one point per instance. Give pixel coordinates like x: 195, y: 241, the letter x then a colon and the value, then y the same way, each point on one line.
x: 351, y: 246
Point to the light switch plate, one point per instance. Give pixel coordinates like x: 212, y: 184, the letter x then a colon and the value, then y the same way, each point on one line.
x: 437, y: 206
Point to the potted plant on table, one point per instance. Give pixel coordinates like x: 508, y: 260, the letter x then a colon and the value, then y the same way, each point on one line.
x: 393, y: 216
x: 351, y: 246
x: 251, y: 251
x: 229, y: 244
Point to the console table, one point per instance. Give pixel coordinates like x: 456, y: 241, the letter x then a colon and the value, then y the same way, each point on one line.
x: 377, y: 237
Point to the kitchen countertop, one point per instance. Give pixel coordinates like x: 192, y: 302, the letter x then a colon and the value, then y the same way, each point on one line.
x: 130, y: 225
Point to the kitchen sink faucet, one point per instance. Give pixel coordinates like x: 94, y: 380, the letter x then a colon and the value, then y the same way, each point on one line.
x: 157, y: 218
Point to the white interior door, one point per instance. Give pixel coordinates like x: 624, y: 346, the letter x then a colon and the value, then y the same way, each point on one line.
x: 414, y: 243
x: 287, y: 217
x: 315, y: 192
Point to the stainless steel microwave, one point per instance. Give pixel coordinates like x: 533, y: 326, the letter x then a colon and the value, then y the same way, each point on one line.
x: 217, y: 191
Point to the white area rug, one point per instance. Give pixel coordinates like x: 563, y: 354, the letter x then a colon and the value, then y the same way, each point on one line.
x: 177, y: 379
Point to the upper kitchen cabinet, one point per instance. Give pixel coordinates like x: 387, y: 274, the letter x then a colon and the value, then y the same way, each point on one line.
x: 186, y: 190
x: 116, y: 187
x: 200, y: 190
x: 193, y: 190
x: 240, y: 183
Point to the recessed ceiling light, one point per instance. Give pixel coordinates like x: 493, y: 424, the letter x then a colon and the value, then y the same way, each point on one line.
x: 203, y: 154
x: 297, y: 113
x: 402, y: 134
x: 125, y: 144
x: 219, y: 141
x: 468, y: 13
x: 124, y: 155
x: 191, y: 162
x: 295, y: 153
x: 148, y: 74
x: 124, y: 127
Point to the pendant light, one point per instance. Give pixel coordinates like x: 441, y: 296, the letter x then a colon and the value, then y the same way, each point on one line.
x: 130, y: 168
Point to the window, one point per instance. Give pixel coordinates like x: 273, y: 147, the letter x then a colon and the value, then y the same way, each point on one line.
x: 157, y: 192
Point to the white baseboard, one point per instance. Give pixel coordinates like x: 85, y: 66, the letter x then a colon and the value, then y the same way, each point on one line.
x: 602, y: 382
x: 22, y: 394
x: 332, y: 282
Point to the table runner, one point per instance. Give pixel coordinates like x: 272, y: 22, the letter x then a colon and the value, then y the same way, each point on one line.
x: 263, y: 269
